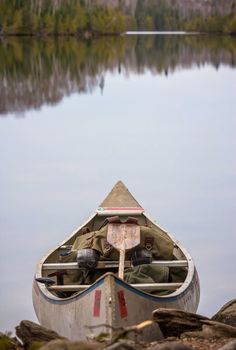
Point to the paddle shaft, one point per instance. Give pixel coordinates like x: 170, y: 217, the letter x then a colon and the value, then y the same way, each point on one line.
x: 121, y: 264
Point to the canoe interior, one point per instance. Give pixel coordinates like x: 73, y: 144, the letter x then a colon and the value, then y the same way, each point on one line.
x: 95, y: 224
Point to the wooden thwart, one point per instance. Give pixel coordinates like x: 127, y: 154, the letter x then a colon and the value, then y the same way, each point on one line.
x: 123, y: 237
x: 112, y: 264
x: 142, y: 286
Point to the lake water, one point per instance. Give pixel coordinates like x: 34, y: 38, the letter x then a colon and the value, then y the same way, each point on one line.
x: 157, y: 112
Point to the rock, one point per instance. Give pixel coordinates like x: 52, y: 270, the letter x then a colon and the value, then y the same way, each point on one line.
x: 218, y: 330
x: 30, y: 332
x: 63, y: 344
x: 227, y: 314
x: 180, y: 323
x: 229, y: 346
x: 212, y: 329
x: 150, y: 333
x: 174, y: 322
x: 171, y: 346
x: 122, y: 345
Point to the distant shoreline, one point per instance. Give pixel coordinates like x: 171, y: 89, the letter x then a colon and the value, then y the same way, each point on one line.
x: 94, y: 34
x: 81, y: 35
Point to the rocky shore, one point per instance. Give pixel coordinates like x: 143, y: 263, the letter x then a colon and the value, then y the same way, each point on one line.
x: 179, y: 331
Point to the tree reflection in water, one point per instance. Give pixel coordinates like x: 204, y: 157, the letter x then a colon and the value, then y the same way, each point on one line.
x: 38, y: 72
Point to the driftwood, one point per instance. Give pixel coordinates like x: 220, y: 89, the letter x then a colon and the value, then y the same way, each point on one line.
x: 116, y: 343
x: 122, y: 332
x: 29, y: 332
x: 180, y: 323
x: 137, y: 329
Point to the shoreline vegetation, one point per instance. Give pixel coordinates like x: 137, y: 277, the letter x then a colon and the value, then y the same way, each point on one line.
x: 91, y: 19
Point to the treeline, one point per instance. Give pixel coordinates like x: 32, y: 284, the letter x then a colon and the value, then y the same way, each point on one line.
x: 212, y: 24
x: 149, y: 16
x: 83, y: 17
x: 55, y: 17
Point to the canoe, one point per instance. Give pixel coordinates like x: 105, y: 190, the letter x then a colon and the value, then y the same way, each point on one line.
x: 75, y: 310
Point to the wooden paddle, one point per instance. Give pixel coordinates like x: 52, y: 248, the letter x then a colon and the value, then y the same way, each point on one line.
x: 123, y: 237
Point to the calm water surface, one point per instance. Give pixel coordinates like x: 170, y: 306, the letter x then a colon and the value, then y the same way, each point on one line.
x: 157, y: 112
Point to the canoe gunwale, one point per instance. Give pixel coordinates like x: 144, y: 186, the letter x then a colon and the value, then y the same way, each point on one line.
x: 176, y: 293
x: 163, y: 298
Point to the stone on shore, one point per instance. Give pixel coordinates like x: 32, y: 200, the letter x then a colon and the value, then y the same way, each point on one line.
x: 174, y: 322
x: 227, y: 314
x: 63, y: 344
x: 29, y: 332
x: 172, y: 345
x: 212, y: 329
x: 180, y: 323
x: 123, y: 345
x: 229, y: 346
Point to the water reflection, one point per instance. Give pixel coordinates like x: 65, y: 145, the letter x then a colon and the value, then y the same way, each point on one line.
x: 38, y: 72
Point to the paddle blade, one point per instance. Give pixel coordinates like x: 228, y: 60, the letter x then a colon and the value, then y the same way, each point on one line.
x: 123, y: 236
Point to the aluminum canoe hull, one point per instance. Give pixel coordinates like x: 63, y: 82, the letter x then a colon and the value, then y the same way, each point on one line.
x: 107, y: 304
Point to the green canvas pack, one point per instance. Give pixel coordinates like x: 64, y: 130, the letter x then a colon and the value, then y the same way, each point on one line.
x: 157, y: 242
x: 152, y: 239
x: 147, y: 274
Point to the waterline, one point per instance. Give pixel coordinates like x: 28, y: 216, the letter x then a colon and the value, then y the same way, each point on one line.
x: 160, y: 33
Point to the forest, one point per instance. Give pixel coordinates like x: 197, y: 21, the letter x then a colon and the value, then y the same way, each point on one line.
x: 90, y: 18
x: 172, y: 15
x: 57, y: 17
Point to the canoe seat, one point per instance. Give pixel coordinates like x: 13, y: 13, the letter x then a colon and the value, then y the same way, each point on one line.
x: 112, y: 264
x: 59, y: 270
x: 142, y: 286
